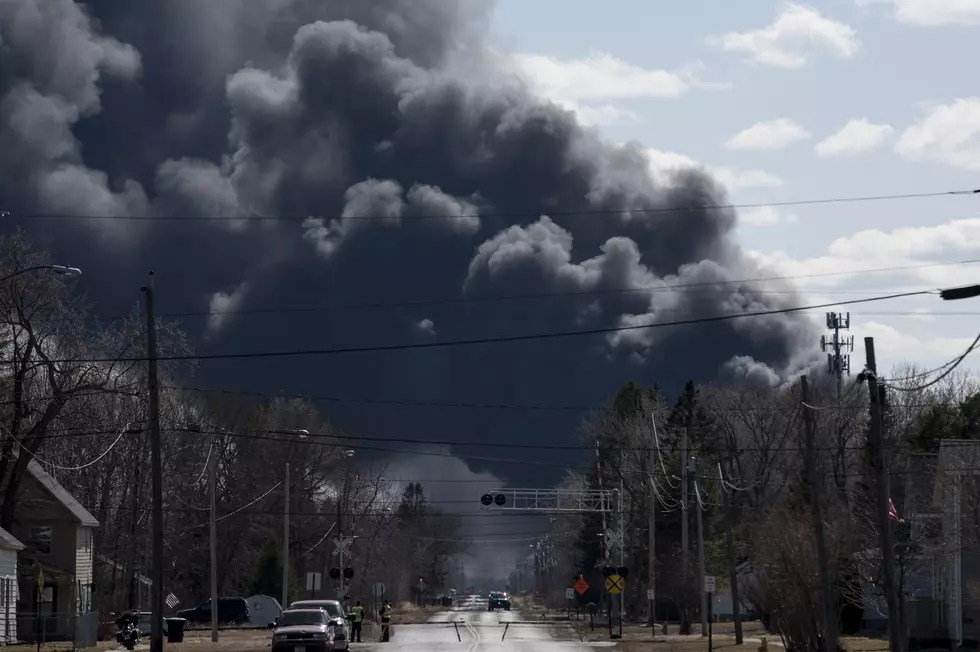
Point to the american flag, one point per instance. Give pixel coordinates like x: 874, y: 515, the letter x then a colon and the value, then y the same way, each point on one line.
x: 171, y: 601
x: 893, y: 513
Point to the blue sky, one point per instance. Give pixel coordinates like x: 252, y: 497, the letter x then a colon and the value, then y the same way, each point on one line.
x: 755, y: 89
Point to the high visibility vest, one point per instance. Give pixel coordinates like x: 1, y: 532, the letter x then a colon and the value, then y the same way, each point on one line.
x: 386, y: 612
x: 358, y: 614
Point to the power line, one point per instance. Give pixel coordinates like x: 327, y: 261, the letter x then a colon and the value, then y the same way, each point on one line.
x: 344, y: 441
x: 705, y: 286
x: 588, y: 212
x: 487, y: 340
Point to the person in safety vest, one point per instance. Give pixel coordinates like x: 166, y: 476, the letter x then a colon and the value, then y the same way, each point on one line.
x: 385, y: 612
x: 357, y: 621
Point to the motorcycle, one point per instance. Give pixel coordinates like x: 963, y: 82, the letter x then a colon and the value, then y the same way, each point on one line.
x: 128, y: 633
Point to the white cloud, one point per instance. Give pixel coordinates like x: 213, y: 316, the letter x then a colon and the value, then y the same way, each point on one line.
x: 854, y: 137
x: 922, y: 314
x: 898, y: 347
x: 847, y: 256
x: 426, y: 326
x: 949, y: 134
x: 592, y: 115
x: 588, y: 85
x: 765, y: 216
x: 794, y: 38
x: 597, y: 77
x: 222, y: 305
x: 933, y: 12
x: 771, y: 135
x: 739, y: 179
x: 665, y: 165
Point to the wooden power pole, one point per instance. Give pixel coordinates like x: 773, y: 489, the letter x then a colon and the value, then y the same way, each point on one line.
x: 816, y: 509
x: 156, y: 470
x: 652, y: 531
x: 732, y: 565
x: 884, y: 521
x: 685, y: 627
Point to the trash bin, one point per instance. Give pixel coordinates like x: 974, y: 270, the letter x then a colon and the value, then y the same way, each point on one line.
x: 175, y: 630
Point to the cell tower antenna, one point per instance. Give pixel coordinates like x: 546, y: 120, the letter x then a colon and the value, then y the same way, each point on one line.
x: 839, y: 348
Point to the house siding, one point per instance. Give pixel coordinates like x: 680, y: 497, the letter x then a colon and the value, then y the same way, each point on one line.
x: 8, y: 596
x: 84, y: 542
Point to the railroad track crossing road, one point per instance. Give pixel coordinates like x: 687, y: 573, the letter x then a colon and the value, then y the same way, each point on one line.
x: 479, y: 631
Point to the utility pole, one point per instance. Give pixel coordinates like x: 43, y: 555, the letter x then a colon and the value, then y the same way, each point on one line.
x: 884, y: 522
x: 156, y: 469
x: 134, y: 510
x: 340, y: 530
x: 622, y: 536
x: 652, y: 531
x: 816, y: 509
x: 285, y: 541
x: 732, y: 566
x: 685, y: 627
x: 213, y: 481
x: 698, y: 510
x: 605, y: 531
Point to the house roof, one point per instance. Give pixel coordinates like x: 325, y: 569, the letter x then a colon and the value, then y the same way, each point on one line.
x: 956, y: 457
x: 8, y: 542
x: 59, y: 493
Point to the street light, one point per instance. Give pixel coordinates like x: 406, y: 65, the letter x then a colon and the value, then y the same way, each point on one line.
x: 57, y: 269
x: 967, y: 292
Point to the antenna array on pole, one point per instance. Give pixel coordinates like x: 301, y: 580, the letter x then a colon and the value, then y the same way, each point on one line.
x: 838, y: 355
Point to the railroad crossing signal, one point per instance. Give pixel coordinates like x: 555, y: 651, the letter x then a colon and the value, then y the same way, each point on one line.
x: 342, y: 546
x: 615, y: 584
x: 616, y: 538
x: 493, y: 499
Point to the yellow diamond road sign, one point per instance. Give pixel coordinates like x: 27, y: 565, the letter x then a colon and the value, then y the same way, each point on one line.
x: 615, y: 584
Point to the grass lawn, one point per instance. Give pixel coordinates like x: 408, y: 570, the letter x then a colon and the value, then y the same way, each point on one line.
x: 61, y: 646
x: 636, y: 639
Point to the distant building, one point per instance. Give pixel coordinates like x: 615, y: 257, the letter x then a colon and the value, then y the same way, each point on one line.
x: 957, y: 494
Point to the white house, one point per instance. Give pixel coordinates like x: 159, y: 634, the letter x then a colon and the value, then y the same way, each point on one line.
x: 959, y: 573
x: 9, y: 547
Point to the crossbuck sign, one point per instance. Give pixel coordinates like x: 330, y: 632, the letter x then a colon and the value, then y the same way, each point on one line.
x: 342, y: 546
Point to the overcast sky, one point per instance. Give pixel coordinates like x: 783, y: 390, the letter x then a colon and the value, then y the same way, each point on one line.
x: 789, y: 101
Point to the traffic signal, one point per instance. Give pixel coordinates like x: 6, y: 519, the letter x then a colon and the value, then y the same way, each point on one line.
x: 335, y: 573
x: 608, y: 570
x: 500, y: 500
x: 486, y: 499
x: 348, y: 573
x: 622, y: 571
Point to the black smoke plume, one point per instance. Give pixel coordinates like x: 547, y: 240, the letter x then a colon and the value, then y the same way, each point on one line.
x: 314, y: 114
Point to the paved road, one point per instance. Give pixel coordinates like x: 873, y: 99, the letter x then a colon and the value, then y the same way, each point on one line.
x: 479, y: 631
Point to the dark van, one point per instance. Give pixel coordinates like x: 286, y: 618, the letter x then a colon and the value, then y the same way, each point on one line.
x: 230, y: 610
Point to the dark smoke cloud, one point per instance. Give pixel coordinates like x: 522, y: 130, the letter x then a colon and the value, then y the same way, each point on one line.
x: 330, y: 111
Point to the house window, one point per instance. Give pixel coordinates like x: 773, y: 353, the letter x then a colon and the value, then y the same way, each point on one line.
x: 40, y: 540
